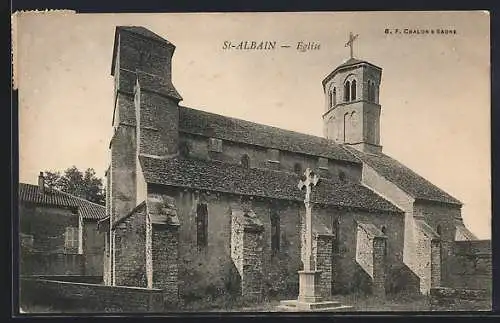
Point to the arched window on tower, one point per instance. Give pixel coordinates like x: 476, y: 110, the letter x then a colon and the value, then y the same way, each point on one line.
x: 333, y: 97
x: 438, y: 229
x: 347, y: 91
x: 346, y: 126
x: 353, y: 90
x: 384, y: 231
x: 245, y: 161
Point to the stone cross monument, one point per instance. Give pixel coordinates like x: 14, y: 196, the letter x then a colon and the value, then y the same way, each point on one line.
x: 309, y: 279
x: 310, y: 179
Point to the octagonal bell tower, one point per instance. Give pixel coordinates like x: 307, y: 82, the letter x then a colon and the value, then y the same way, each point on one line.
x: 352, y: 109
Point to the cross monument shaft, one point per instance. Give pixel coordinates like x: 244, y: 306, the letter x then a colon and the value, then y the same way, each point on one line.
x: 309, y: 180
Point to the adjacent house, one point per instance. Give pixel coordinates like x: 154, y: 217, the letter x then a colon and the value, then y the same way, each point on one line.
x: 58, y: 233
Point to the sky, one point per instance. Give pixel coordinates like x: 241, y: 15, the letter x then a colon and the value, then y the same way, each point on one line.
x: 434, y: 93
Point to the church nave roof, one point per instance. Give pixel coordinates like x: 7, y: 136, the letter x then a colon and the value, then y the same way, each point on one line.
x: 403, y: 177
x: 223, y: 177
x: 208, y: 124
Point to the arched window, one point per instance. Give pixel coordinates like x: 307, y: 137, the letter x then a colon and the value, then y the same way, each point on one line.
x: 184, y: 149
x: 354, y: 119
x: 201, y: 226
x: 245, y: 161
x: 371, y: 91
x: 346, y: 127
x: 438, y: 229
x: 353, y: 90
x: 347, y: 91
x: 297, y: 168
x: 333, y: 97
x: 384, y: 231
x: 336, y: 235
x: 275, y: 231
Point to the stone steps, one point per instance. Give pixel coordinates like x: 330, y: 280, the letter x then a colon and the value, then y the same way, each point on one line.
x: 323, y: 306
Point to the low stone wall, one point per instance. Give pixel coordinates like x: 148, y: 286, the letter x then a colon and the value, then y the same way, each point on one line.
x: 471, y: 266
x: 455, y: 299
x: 51, y: 264
x: 70, y: 278
x: 71, y: 297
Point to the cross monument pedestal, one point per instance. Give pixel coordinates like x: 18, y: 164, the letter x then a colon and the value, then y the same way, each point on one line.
x: 309, y: 278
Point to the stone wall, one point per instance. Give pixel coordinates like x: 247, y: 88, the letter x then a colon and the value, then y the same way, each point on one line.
x: 428, y: 254
x: 51, y: 264
x: 211, y: 271
x: 246, y: 253
x: 259, y: 157
x: 47, y: 225
x: 401, y: 199
x: 130, y: 256
x: 82, y: 297
x: 370, y: 255
x: 442, y: 218
x: 323, y: 259
x: 93, y: 248
x: 457, y: 299
x: 471, y: 266
x: 349, y: 276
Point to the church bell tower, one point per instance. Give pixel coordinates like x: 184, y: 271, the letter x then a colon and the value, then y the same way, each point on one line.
x: 352, y: 109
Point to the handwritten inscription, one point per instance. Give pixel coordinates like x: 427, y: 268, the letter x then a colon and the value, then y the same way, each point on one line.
x: 270, y: 45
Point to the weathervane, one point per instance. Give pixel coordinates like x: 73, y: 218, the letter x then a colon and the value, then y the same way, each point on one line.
x: 350, y: 42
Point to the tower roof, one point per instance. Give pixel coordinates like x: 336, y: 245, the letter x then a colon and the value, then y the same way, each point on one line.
x: 349, y: 63
x: 139, y: 31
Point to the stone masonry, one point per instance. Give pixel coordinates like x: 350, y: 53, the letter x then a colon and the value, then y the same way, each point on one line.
x: 247, y: 251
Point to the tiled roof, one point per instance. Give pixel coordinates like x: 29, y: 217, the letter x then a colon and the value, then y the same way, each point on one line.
x: 427, y: 230
x: 403, y: 177
x: 224, y: 177
x: 372, y: 230
x: 158, y: 84
x: 143, y: 32
x: 214, y: 125
x: 350, y: 62
x: 30, y: 193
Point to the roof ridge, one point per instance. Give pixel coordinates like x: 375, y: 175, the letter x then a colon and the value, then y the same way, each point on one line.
x: 65, y: 193
x: 80, y: 198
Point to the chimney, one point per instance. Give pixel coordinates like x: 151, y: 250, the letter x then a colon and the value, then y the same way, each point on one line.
x: 41, y: 183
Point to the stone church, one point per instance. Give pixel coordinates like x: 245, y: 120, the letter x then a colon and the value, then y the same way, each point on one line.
x: 204, y: 204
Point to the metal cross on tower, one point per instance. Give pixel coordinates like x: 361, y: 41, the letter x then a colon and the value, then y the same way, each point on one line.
x: 350, y: 42
x: 309, y: 180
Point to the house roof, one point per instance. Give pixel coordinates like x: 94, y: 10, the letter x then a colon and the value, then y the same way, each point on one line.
x: 413, y: 184
x: 89, y: 210
x: 229, y: 178
x: 237, y: 130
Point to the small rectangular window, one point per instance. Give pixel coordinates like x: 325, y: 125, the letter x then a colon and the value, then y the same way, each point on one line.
x: 26, y: 240
x: 71, y: 239
x: 215, y: 144
x: 323, y: 163
x: 274, y: 155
